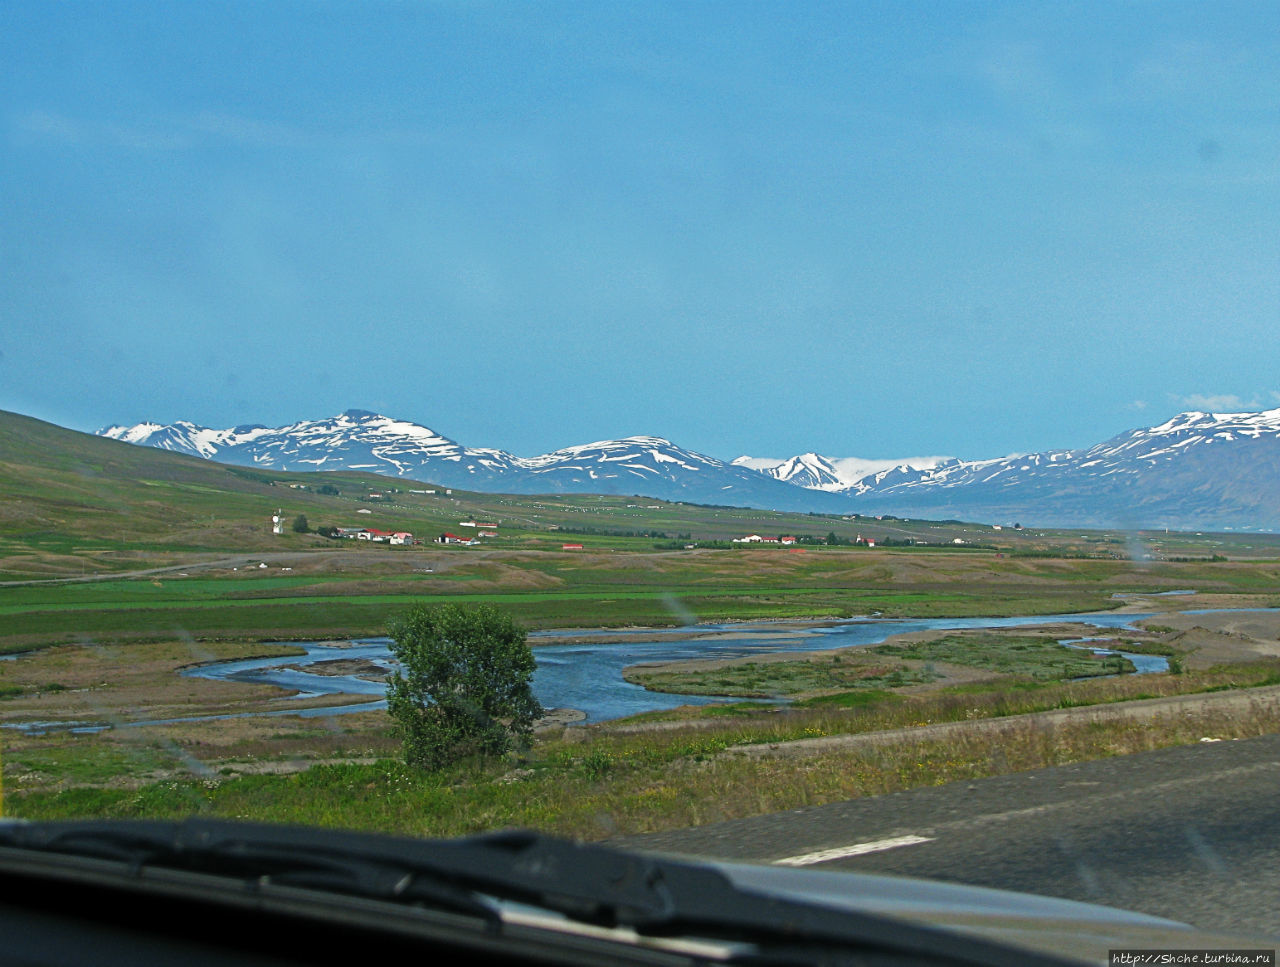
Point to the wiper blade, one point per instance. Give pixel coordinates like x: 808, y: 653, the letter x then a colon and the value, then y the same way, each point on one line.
x: 599, y: 885
x: 256, y: 854
x: 587, y: 883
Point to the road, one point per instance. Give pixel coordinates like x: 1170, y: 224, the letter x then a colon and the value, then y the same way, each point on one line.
x: 224, y: 562
x: 1189, y: 833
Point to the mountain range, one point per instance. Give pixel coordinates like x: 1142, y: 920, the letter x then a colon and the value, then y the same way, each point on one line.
x: 1197, y: 471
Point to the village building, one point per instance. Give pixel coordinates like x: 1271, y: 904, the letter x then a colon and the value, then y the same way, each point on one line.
x: 447, y: 538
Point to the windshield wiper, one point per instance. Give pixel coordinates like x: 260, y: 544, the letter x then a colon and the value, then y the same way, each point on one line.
x: 258, y: 854
x: 656, y: 897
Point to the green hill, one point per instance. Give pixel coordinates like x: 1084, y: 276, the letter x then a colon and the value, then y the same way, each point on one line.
x: 72, y: 503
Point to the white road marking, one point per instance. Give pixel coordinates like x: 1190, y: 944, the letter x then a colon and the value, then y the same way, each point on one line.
x: 858, y: 849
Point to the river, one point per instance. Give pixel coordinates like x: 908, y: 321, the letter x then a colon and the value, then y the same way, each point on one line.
x: 588, y: 677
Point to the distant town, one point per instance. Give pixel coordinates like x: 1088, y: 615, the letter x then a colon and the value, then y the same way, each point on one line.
x: 482, y: 529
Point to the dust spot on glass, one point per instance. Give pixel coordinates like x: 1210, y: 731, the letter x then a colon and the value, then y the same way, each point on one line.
x: 1204, y: 852
x: 679, y: 610
x: 112, y: 655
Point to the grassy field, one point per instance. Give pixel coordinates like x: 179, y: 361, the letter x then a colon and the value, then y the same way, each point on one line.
x: 1018, y: 657
x: 611, y: 780
x: 121, y: 565
x: 752, y: 679
x: 660, y: 771
x: 350, y: 591
x: 1031, y: 657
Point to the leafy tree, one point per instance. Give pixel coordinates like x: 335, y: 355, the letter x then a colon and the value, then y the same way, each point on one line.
x: 300, y: 524
x: 463, y: 684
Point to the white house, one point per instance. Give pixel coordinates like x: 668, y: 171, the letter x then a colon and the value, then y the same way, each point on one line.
x: 447, y: 538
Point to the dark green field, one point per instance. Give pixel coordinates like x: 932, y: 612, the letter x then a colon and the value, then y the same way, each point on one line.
x: 328, y: 593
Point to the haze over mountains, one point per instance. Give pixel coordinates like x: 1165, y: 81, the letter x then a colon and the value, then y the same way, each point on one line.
x: 1196, y: 471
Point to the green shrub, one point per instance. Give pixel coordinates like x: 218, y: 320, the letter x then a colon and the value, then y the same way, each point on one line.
x: 463, y: 686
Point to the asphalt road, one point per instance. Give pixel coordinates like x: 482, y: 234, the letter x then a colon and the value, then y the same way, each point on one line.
x: 1190, y: 833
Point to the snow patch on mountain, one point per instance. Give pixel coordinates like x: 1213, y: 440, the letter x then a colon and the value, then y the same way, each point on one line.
x: 834, y: 474
x: 357, y: 439
x: 1197, y: 470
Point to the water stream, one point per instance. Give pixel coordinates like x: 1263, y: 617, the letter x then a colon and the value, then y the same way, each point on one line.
x: 588, y: 676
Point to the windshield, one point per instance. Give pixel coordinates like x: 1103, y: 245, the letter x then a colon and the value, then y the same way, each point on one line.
x: 817, y: 435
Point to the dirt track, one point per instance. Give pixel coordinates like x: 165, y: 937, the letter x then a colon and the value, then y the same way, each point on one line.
x: 1212, y: 639
x: 1142, y: 710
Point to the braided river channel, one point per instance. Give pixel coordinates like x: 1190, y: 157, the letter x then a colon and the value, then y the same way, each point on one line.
x: 587, y: 676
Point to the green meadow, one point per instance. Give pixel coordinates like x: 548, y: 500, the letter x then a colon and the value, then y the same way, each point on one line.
x: 121, y: 565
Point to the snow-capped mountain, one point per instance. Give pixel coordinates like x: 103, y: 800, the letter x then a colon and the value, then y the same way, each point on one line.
x: 835, y: 474
x: 354, y: 440
x: 807, y: 470
x: 183, y: 437
x: 360, y: 440
x: 655, y: 467
x: 1196, y: 471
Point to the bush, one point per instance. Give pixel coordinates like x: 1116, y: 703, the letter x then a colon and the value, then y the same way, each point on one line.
x: 463, y: 687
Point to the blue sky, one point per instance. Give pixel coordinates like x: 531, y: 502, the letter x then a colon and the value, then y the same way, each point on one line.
x: 866, y: 229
